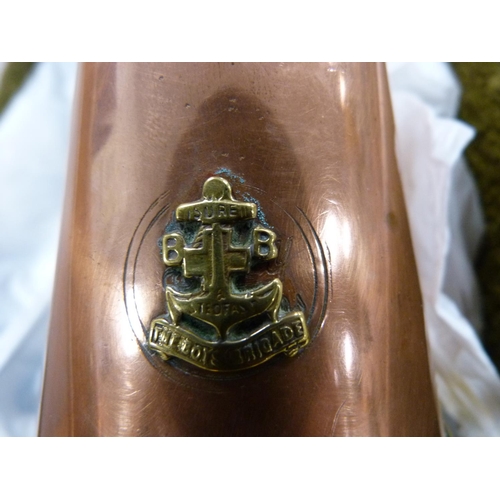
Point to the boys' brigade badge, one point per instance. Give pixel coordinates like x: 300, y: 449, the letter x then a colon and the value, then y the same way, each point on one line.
x: 214, y: 320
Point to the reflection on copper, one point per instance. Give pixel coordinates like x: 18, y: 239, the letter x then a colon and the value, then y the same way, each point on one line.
x: 337, y: 229
x: 342, y: 89
x: 315, y: 148
x: 348, y: 353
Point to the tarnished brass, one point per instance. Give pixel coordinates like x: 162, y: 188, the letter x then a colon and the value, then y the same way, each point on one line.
x: 236, y: 326
x: 311, y: 145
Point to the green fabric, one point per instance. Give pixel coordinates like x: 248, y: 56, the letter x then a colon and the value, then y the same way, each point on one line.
x: 13, y: 77
x: 481, y: 108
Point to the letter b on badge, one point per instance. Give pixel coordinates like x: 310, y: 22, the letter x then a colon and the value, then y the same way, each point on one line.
x: 173, y: 249
x: 264, y: 246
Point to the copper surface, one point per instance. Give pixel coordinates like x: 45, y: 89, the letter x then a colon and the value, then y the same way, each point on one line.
x: 313, y: 144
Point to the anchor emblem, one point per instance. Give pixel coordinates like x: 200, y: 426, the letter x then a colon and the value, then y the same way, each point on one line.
x: 214, y: 321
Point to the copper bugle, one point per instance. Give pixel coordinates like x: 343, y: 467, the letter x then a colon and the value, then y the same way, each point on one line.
x: 311, y: 145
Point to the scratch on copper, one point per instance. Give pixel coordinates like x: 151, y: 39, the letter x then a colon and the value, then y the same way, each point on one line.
x: 336, y: 418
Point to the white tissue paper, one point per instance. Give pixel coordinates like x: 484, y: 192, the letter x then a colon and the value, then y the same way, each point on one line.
x: 446, y: 226
x: 443, y: 209
x: 34, y: 138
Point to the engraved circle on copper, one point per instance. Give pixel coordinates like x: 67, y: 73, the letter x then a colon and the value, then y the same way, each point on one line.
x: 144, y: 268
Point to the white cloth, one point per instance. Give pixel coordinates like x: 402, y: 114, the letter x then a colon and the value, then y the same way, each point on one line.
x: 446, y: 226
x: 34, y: 137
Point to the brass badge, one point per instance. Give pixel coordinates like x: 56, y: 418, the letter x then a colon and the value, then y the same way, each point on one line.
x: 214, y: 320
